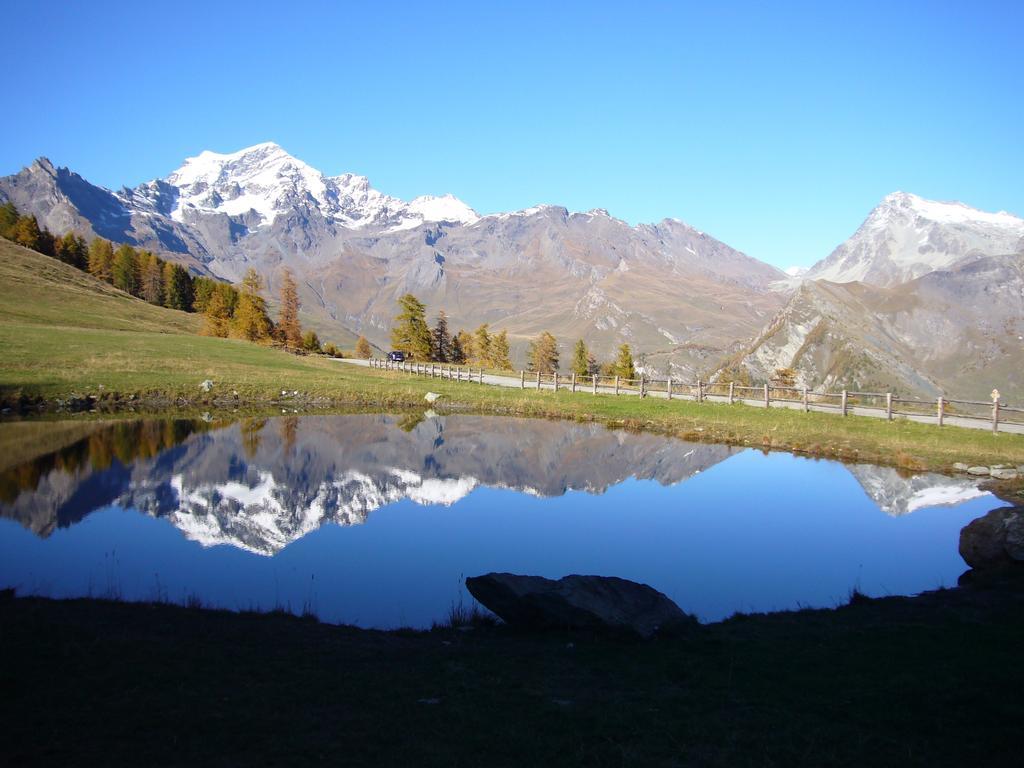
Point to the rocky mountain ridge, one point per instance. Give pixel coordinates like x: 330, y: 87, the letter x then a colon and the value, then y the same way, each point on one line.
x: 685, y: 301
x: 664, y: 287
x: 906, y: 237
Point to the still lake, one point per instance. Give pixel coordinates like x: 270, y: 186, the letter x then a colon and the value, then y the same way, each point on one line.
x: 374, y: 520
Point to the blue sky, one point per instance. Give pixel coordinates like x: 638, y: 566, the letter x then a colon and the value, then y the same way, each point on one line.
x: 774, y: 127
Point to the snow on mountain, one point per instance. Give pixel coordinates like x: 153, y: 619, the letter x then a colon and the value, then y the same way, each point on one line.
x: 907, y: 236
x: 266, y: 180
x: 445, y: 208
x: 896, y: 494
x: 796, y: 271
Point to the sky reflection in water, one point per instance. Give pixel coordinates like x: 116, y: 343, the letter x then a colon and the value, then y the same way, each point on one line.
x: 374, y: 520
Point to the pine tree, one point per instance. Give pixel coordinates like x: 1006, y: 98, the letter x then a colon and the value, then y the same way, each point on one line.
x: 411, y: 334
x: 462, y: 348
x: 442, y: 339
x: 71, y: 250
x: 500, y: 352
x: 151, y: 278
x: 26, y: 232
x: 8, y: 220
x: 311, y: 342
x: 580, y: 359
x: 177, y: 288
x: 46, y: 242
x: 363, y: 348
x: 101, y: 259
x: 544, y: 354
x: 482, y: 346
x: 202, y: 290
x: 458, y: 354
x: 218, y: 314
x: 624, y: 367
x: 288, y: 317
x: 250, y: 319
x: 125, y: 270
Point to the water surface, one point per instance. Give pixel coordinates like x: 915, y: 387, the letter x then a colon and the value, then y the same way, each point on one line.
x: 374, y: 520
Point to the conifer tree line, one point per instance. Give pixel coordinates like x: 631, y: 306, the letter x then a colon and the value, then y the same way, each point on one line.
x: 138, y: 272
x: 229, y: 311
x: 412, y: 335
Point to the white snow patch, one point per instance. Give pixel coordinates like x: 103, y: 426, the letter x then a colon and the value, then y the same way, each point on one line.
x: 943, y: 495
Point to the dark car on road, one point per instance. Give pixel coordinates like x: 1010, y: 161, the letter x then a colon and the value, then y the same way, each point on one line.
x: 396, y: 357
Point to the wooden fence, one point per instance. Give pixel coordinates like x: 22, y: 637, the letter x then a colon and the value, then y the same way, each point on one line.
x: 884, y: 404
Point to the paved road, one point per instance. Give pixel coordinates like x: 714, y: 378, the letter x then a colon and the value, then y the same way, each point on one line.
x: 514, y: 382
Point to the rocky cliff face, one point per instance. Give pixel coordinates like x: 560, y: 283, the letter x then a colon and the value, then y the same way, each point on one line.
x: 958, y: 332
x: 926, y: 298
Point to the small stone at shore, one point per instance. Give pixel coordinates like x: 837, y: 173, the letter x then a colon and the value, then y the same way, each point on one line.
x: 960, y: 466
x: 980, y: 471
x: 1004, y: 474
x: 207, y: 385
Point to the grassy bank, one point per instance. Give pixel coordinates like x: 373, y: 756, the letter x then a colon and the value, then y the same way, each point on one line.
x: 927, y: 681
x: 67, y: 337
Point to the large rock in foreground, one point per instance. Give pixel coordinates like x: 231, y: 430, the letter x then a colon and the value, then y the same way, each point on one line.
x: 995, y: 540
x: 579, y: 602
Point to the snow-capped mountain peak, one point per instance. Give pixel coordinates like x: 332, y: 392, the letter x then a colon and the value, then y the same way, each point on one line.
x: 444, y: 208
x: 943, y: 212
x: 907, y: 236
x: 262, y: 178
x: 265, y: 179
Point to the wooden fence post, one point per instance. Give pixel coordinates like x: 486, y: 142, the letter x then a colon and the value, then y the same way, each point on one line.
x: 700, y: 391
x: 941, y: 412
x: 844, y: 402
x: 574, y: 382
x: 995, y: 414
x: 594, y: 377
x: 807, y: 405
x: 555, y: 379
x: 522, y: 379
x: 616, y: 385
x: 732, y: 392
x: 643, y: 386
x: 668, y: 387
x: 538, y: 381
x: 767, y: 401
x: 481, y: 375
x: 888, y: 406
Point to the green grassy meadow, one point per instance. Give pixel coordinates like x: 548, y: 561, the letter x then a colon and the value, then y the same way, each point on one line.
x: 65, y: 335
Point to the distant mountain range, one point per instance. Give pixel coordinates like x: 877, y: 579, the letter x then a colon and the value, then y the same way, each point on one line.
x: 925, y: 296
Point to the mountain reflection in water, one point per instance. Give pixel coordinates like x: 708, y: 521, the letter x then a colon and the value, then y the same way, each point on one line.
x: 261, y: 485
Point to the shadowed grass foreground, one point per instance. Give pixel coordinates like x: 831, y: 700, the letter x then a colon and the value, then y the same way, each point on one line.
x: 928, y: 681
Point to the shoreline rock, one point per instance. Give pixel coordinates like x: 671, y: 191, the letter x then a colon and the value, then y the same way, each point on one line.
x: 995, y: 540
x: 579, y: 602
